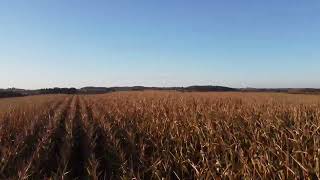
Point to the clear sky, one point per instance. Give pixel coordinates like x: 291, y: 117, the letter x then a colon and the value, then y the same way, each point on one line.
x: 247, y: 43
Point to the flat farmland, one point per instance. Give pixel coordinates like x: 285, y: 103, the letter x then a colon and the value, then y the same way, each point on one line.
x: 160, y: 135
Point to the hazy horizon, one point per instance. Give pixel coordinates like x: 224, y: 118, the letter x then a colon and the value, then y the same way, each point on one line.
x: 260, y: 44
x: 162, y: 87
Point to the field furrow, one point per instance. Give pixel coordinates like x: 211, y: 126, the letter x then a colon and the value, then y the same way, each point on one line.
x: 106, y: 158
x: 79, y: 151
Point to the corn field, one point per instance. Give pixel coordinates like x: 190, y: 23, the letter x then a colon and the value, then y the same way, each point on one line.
x: 160, y: 135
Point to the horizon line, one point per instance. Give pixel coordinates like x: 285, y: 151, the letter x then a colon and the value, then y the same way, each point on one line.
x: 160, y: 87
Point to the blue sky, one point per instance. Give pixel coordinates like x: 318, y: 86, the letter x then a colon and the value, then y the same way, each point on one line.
x: 247, y: 43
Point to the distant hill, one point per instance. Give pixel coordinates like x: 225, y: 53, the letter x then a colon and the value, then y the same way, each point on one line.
x: 208, y: 88
x: 185, y: 89
x: 94, y: 90
x: 142, y: 88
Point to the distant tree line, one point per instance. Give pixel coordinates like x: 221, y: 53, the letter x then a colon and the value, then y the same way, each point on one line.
x: 5, y: 94
x: 58, y: 91
x: 13, y: 92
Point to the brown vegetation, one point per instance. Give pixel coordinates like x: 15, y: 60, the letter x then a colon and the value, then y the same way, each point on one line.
x: 155, y: 135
